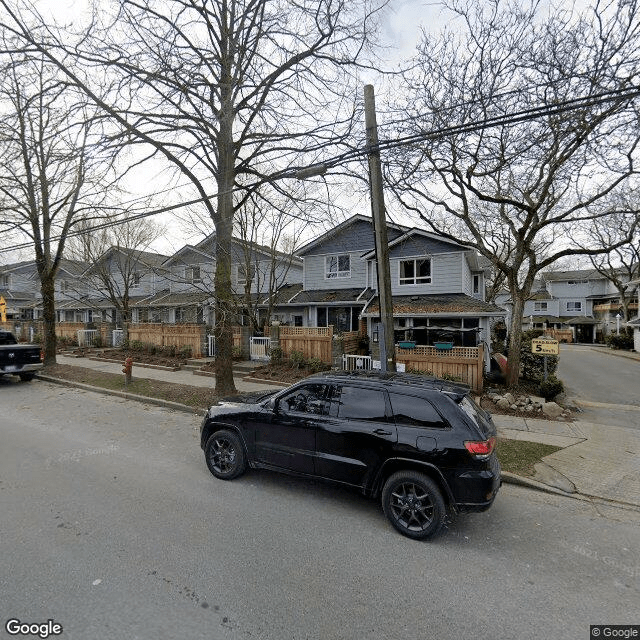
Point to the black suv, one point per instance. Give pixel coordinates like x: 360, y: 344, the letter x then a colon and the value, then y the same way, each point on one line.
x: 421, y: 444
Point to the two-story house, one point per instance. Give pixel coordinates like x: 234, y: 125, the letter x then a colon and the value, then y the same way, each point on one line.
x: 335, y: 285
x: 583, y: 301
x: 19, y: 290
x: 257, y: 272
x: 438, y: 291
x: 438, y: 286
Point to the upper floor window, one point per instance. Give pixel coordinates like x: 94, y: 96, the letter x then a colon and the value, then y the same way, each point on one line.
x: 574, y: 306
x: 338, y: 266
x: 540, y: 306
x: 192, y: 274
x: 135, y: 281
x: 476, y: 284
x: 246, y: 273
x: 416, y: 271
x: 5, y: 280
x: 573, y: 282
x: 63, y: 286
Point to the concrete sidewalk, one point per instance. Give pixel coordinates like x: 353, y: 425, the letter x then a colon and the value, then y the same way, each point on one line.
x: 596, y: 462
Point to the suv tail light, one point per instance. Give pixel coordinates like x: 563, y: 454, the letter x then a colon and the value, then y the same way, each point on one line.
x: 481, y: 449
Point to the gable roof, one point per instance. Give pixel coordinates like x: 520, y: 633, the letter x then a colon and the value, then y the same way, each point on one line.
x: 147, y: 258
x: 342, y: 227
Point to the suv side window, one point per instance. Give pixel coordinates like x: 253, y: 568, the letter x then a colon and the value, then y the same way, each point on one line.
x: 359, y: 403
x: 416, y: 412
x: 310, y: 398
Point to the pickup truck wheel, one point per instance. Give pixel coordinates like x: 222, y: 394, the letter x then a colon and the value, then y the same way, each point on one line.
x: 225, y: 455
x: 414, y: 505
x: 27, y: 377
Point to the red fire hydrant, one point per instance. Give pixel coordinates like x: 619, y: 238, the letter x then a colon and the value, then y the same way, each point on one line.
x: 128, y: 366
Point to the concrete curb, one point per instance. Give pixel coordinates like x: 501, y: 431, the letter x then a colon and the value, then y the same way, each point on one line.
x: 123, y: 394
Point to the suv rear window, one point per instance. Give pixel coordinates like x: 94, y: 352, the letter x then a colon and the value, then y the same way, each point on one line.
x: 414, y: 411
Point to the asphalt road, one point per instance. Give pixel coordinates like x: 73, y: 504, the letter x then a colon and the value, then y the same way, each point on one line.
x: 112, y: 526
x: 607, y: 386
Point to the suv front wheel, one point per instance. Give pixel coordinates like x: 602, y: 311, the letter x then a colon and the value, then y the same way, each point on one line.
x: 414, y: 505
x: 225, y: 455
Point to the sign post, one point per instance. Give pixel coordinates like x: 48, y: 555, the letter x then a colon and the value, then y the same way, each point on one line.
x: 545, y: 347
x: 3, y: 309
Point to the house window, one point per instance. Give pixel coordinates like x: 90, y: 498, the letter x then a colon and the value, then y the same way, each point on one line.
x: 64, y: 286
x: 476, y: 284
x: 246, y: 273
x: 574, y: 306
x: 415, y: 271
x: 192, y: 274
x: 540, y: 306
x: 338, y: 266
x: 135, y: 280
x: 575, y: 282
x: 5, y: 280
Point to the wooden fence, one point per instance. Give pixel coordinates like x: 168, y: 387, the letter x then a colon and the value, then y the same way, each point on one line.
x: 170, y: 335
x: 463, y: 363
x: 561, y: 335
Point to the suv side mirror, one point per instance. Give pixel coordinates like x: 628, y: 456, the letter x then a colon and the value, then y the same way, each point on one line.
x: 272, y: 405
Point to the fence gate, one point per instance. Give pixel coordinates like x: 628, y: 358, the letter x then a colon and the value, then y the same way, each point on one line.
x: 259, y: 349
x: 356, y: 363
x: 211, y: 350
x: 117, y: 337
x: 87, y: 337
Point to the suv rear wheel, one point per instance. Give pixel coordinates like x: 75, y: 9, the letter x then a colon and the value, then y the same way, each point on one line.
x: 414, y: 505
x: 225, y: 455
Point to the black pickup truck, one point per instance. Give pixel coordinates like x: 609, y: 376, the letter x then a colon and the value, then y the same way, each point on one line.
x: 22, y: 360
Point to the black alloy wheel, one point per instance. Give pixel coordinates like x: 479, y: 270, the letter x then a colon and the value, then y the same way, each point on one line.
x: 414, y: 505
x: 225, y: 455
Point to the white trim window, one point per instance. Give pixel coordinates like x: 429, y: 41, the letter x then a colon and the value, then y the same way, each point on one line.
x: 135, y: 280
x: 5, y: 280
x: 574, y: 305
x: 192, y: 274
x: 540, y: 306
x: 416, y: 271
x: 241, y: 276
x: 338, y: 266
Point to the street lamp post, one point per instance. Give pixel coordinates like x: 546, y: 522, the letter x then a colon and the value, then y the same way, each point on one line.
x: 618, y: 316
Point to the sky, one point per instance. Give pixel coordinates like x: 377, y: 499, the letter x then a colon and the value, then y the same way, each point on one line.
x: 401, y: 30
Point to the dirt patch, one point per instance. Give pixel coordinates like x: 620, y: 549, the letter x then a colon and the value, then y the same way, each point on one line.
x: 141, y: 357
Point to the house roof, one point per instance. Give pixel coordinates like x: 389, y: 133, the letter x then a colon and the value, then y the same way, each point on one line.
x: 581, y: 320
x: 454, y: 303
x: 333, y: 297
x: 409, y: 233
x: 578, y: 274
x: 284, y: 294
x: 167, y: 299
x: 341, y: 228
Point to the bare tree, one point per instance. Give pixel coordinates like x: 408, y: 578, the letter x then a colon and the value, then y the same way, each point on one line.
x: 621, y: 264
x: 119, y: 260
x: 236, y: 91
x: 501, y: 155
x: 49, y: 176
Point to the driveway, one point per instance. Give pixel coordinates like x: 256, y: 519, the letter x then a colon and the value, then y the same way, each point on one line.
x: 604, y: 384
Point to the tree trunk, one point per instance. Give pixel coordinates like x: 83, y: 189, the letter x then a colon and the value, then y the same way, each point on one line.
x: 515, y: 340
x: 47, y: 287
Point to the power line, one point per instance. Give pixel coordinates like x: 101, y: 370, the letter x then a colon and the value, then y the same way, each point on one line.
x: 321, y: 168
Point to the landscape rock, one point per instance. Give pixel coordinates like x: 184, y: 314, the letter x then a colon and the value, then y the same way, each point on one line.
x: 503, y: 403
x: 552, y: 409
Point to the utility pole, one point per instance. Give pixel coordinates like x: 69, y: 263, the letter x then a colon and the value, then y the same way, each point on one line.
x: 387, y: 346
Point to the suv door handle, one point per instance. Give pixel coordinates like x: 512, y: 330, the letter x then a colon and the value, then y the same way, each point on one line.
x: 382, y: 432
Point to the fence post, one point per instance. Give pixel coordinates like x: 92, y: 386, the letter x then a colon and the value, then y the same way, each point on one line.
x: 480, y: 368
x: 337, y: 349
x: 274, y: 336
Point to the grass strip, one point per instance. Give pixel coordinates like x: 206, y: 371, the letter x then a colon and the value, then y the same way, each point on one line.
x: 520, y: 456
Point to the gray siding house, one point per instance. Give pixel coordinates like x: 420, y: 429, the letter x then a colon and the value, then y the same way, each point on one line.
x: 437, y: 286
